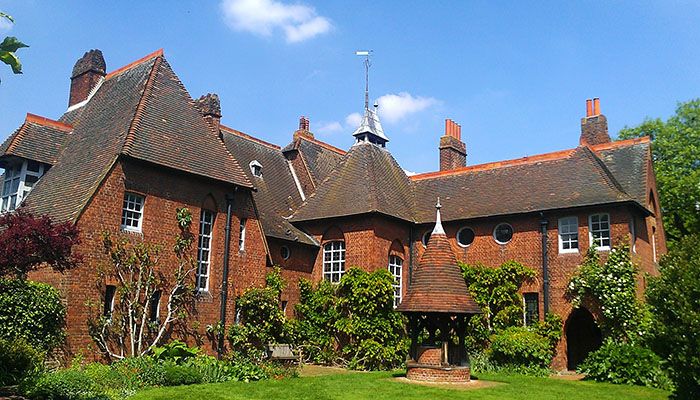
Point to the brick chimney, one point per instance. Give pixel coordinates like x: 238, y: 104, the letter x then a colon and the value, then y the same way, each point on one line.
x: 594, y: 126
x: 209, y: 106
x: 87, y: 72
x: 453, y: 152
x: 303, y: 128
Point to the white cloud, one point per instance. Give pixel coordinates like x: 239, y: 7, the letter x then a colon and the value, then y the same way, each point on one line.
x: 395, y: 107
x: 329, y: 127
x: 353, y: 120
x: 263, y: 17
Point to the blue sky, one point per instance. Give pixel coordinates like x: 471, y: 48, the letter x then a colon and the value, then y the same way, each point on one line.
x: 514, y: 75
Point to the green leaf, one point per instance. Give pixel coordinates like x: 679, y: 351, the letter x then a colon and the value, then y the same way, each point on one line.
x: 7, y: 17
x: 11, y: 59
x: 11, y: 44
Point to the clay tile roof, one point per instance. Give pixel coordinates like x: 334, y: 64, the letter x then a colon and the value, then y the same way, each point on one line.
x: 367, y: 180
x: 629, y: 162
x: 39, y: 139
x: 437, y: 285
x: 572, y: 178
x: 320, y: 158
x: 140, y: 111
x: 277, y: 195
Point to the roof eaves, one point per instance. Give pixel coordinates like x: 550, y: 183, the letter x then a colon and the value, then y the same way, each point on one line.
x: 240, y: 134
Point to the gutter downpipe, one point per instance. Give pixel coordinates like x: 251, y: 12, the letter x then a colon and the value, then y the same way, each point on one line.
x: 410, y: 255
x: 224, y: 278
x: 545, y: 266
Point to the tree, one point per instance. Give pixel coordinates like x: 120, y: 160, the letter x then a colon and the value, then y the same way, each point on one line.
x: 28, y: 242
x: 9, y: 46
x: 674, y: 298
x: 131, y: 329
x: 676, y: 153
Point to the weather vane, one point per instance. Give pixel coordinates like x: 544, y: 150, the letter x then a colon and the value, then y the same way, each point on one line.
x: 366, y: 54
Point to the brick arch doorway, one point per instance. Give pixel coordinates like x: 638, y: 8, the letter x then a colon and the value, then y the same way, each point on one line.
x: 582, y: 337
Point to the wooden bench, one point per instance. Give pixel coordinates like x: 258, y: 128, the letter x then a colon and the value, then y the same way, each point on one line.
x: 282, y: 352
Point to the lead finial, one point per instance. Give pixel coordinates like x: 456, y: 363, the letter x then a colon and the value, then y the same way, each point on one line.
x: 438, y: 223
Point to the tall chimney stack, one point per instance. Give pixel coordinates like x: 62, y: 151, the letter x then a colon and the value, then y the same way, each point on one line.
x: 453, y: 152
x: 303, y: 130
x: 594, y: 126
x: 209, y: 106
x: 87, y: 72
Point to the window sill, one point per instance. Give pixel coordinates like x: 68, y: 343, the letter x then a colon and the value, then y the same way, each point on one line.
x: 131, y: 230
x: 604, y: 248
x: 568, y: 252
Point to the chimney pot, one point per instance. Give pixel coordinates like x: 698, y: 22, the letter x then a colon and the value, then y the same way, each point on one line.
x: 209, y: 106
x: 596, y: 106
x: 453, y: 152
x: 589, y: 107
x: 303, y: 123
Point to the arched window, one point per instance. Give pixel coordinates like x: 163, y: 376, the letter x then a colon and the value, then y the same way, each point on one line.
x: 395, y: 269
x: 333, y: 260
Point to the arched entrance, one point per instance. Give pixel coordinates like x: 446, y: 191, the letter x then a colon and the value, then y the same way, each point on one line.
x: 582, y: 337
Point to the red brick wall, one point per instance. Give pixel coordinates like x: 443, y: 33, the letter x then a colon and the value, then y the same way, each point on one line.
x: 298, y: 265
x: 164, y: 192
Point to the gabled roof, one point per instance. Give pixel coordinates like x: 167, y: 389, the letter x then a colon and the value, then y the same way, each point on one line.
x: 320, y: 157
x: 629, y: 162
x: 572, y: 178
x: 140, y: 111
x: 276, y: 194
x: 39, y: 139
x: 368, y: 179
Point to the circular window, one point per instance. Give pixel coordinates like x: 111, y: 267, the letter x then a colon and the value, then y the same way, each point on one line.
x: 285, y: 252
x: 426, y: 238
x: 465, y: 236
x: 503, y: 233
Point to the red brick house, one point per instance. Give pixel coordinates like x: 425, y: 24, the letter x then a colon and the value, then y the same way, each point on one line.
x: 133, y: 146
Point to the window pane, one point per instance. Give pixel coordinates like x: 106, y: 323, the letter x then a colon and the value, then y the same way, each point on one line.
x: 206, y: 219
x: 465, y: 236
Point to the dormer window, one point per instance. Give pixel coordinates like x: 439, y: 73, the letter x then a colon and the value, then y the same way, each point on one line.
x: 19, y: 180
x: 256, y: 168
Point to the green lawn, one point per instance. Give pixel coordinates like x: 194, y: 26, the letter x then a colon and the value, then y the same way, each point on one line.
x: 384, y: 385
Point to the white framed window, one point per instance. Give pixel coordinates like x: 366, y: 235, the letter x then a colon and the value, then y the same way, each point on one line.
x: 256, y: 168
x: 426, y: 238
x: 503, y: 233
x: 599, y: 231
x: 241, y: 235
x: 395, y: 269
x: 285, y: 252
x: 568, y: 235
x: 334, y: 260
x: 532, y: 308
x: 465, y: 236
x: 19, y: 180
x: 132, y: 212
x: 206, y: 222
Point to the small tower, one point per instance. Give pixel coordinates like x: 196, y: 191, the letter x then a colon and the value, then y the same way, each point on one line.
x: 438, y: 300
x: 370, y: 129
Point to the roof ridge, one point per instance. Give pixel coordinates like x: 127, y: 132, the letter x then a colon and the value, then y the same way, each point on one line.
x: 552, y: 156
x: 620, y: 143
x: 324, y: 145
x: 157, y: 53
x: 604, y: 171
x: 38, y: 119
x: 129, y: 140
x: 248, y: 137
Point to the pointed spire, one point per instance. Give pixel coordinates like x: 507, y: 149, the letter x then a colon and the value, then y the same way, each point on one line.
x: 438, y: 230
x: 370, y: 129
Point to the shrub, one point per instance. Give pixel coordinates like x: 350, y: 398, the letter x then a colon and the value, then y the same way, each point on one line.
x: 18, y: 361
x: 69, y: 384
x: 673, y: 298
x: 626, y: 364
x: 181, y: 375
x: 550, y: 329
x: 175, y: 351
x: 520, y: 347
x: 32, y: 311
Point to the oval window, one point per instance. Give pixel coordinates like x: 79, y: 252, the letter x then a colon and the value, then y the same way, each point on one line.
x: 426, y: 238
x: 503, y: 233
x: 465, y: 236
x: 285, y: 252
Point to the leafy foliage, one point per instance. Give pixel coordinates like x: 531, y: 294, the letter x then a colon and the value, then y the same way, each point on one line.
x: 353, y: 323
x: 261, y: 319
x: 18, y: 361
x: 495, y: 290
x: 28, y: 242
x: 519, y: 346
x: 9, y: 47
x: 674, y: 298
x: 31, y: 311
x: 625, y: 363
x: 676, y: 152
x: 68, y: 384
x: 611, y: 286
x: 175, y: 351
x: 135, y: 266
